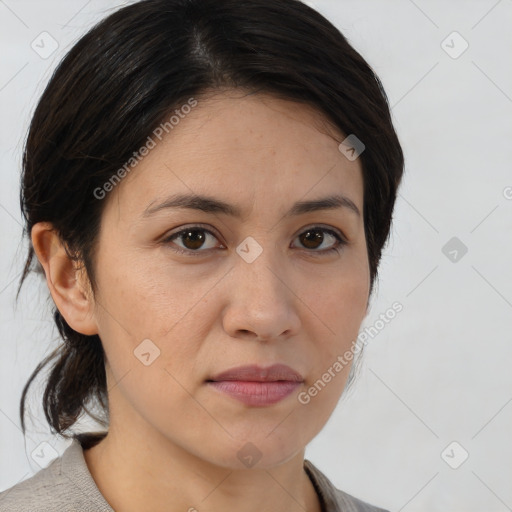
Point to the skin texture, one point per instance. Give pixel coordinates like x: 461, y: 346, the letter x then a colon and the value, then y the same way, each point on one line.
x: 173, y: 441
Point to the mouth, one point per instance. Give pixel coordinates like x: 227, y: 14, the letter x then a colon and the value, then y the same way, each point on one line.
x: 257, y: 386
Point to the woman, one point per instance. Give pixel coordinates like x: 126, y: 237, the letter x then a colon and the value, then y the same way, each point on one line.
x: 208, y: 186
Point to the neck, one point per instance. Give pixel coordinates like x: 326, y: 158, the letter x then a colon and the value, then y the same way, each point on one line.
x: 138, y: 470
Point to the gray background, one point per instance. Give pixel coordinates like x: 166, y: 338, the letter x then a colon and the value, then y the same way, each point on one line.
x: 439, y: 372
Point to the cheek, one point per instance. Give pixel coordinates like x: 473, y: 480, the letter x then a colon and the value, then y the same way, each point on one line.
x: 338, y: 300
x: 338, y: 308
x: 140, y: 299
x: 152, y: 314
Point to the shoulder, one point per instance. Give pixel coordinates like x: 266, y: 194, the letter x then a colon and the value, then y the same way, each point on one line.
x: 352, y: 504
x: 64, y: 485
x: 333, y: 499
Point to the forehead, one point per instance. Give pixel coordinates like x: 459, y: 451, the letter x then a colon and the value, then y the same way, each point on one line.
x: 244, y: 149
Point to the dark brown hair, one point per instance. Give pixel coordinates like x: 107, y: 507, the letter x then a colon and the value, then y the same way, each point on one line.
x: 124, y: 77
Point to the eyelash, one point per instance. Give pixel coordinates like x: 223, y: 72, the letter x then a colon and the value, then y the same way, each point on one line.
x: 341, y: 242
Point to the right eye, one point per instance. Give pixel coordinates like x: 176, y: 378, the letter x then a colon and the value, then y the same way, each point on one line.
x: 193, y: 238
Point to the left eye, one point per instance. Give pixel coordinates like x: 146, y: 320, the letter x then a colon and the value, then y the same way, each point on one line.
x: 314, y: 235
x: 194, y: 238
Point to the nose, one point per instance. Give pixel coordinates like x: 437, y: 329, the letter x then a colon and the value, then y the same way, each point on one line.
x: 261, y: 303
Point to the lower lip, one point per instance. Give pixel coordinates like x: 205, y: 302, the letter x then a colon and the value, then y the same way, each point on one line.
x: 256, y: 393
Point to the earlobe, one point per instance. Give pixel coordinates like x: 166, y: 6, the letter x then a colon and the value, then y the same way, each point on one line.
x: 65, y: 281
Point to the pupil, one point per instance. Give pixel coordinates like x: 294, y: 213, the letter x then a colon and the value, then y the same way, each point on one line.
x: 312, y: 238
x: 197, y: 241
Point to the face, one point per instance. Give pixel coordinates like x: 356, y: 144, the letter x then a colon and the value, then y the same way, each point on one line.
x: 185, y: 294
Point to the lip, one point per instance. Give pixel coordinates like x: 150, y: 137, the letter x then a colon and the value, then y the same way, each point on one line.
x: 255, y: 373
x: 257, y: 386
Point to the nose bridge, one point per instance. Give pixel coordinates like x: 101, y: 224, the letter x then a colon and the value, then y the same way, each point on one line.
x: 259, y: 266
x: 260, y: 301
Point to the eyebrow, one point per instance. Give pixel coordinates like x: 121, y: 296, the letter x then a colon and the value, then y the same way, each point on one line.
x: 213, y: 205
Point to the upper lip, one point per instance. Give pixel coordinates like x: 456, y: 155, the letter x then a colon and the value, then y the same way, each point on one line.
x: 257, y: 373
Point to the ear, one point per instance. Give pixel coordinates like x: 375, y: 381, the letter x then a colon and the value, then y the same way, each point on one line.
x: 68, y: 285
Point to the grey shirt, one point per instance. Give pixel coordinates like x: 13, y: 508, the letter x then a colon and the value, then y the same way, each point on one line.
x: 66, y: 485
